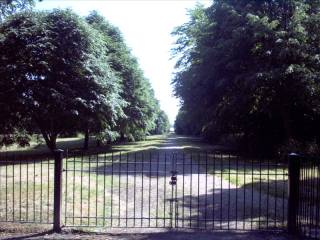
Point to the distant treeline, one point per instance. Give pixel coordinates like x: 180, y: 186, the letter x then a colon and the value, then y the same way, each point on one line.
x: 248, y: 75
x: 63, y: 74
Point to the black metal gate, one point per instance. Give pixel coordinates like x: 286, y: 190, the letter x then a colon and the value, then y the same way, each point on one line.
x: 174, y: 190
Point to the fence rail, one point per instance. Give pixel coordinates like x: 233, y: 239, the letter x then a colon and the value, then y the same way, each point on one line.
x: 160, y: 189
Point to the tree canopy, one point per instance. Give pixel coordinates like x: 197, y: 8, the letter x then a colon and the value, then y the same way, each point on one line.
x: 59, y: 75
x: 250, y: 69
x: 9, y: 7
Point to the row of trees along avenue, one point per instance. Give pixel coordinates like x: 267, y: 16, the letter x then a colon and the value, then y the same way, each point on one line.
x: 62, y: 74
x: 249, y: 73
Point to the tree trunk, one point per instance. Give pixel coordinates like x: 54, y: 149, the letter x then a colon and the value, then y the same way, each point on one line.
x: 51, y: 140
x: 122, y: 137
x: 86, y: 139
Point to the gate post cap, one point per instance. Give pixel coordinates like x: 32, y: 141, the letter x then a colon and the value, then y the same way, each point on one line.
x: 293, y: 154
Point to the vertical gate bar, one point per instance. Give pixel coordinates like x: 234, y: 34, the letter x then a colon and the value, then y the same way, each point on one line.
x: 165, y: 189
x: 111, y: 204
x: 127, y: 190
x: 20, y: 188
x: 206, y: 190
x: 237, y: 184
x: 317, y: 200
x: 142, y: 173
x: 311, y: 199
x: 276, y: 193
x: 157, y: 207
x: 252, y: 198
x: 308, y: 199
x: 312, y: 196
x: 7, y: 162
x: 27, y: 183
x: 221, y: 185
x: 58, y: 158
x: 134, y: 189
x: 191, y: 173
x: 150, y: 156
x: 13, y: 182
x: 229, y: 188
x: 176, y: 193
x: 304, y: 183
x: 244, y: 193
x: 268, y: 190
x: 300, y: 200
x: 260, y: 192
x: 81, y: 187
x: 48, y: 190
x: 214, y: 188
x: 183, y: 173
x: 119, y: 192
x: 171, y: 199
x: 97, y: 186
x: 293, y: 194
x: 74, y: 186
x: 66, y: 190
x: 198, y: 198
x: 41, y: 173
x: 2, y: 162
x: 284, y: 186
x: 104, y: 189
x: 34, y: 190
x: 89, y: 186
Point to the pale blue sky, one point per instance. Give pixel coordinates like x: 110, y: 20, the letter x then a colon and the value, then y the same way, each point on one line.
x: 146, y: 26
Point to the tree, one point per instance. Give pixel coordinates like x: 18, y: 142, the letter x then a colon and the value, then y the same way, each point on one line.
x: 9, y: 7
x: 254, y: 64
x: 53, y: 70
x: 141, y: 108
x: 162, y: 123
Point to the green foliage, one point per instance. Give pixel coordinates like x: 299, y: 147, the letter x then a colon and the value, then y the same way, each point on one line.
x: 62, y: 74
x: 53, y: 69
x: 250, y: 68
x: 162, y: 123
x: 141, y: 109
x: 9, y: 7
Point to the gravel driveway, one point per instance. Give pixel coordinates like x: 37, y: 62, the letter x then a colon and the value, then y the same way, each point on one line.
x: 142, y: 195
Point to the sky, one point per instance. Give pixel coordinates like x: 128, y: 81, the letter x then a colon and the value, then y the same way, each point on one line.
x: 146, y: 26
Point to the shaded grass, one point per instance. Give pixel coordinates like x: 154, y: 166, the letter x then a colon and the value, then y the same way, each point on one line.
x: 266, y: 176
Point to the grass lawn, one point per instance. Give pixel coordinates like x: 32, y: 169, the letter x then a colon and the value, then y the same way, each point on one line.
x: 26, y: 188
x: 75, y: 144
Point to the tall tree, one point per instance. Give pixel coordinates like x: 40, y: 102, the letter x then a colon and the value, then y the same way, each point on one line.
x: 140, y: 110
x: 254, y: 64
x: 53, y: 70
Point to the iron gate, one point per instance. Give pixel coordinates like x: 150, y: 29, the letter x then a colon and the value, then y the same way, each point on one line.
x: 174, y: 190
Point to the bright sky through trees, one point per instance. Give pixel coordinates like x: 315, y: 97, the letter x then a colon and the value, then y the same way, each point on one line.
x: 146, y: 26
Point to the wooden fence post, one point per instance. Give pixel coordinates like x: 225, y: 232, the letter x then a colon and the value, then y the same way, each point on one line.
x: 293, y: 192
x: 58, y: 162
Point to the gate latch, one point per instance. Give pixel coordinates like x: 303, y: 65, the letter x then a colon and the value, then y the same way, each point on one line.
x: 173, y: 178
